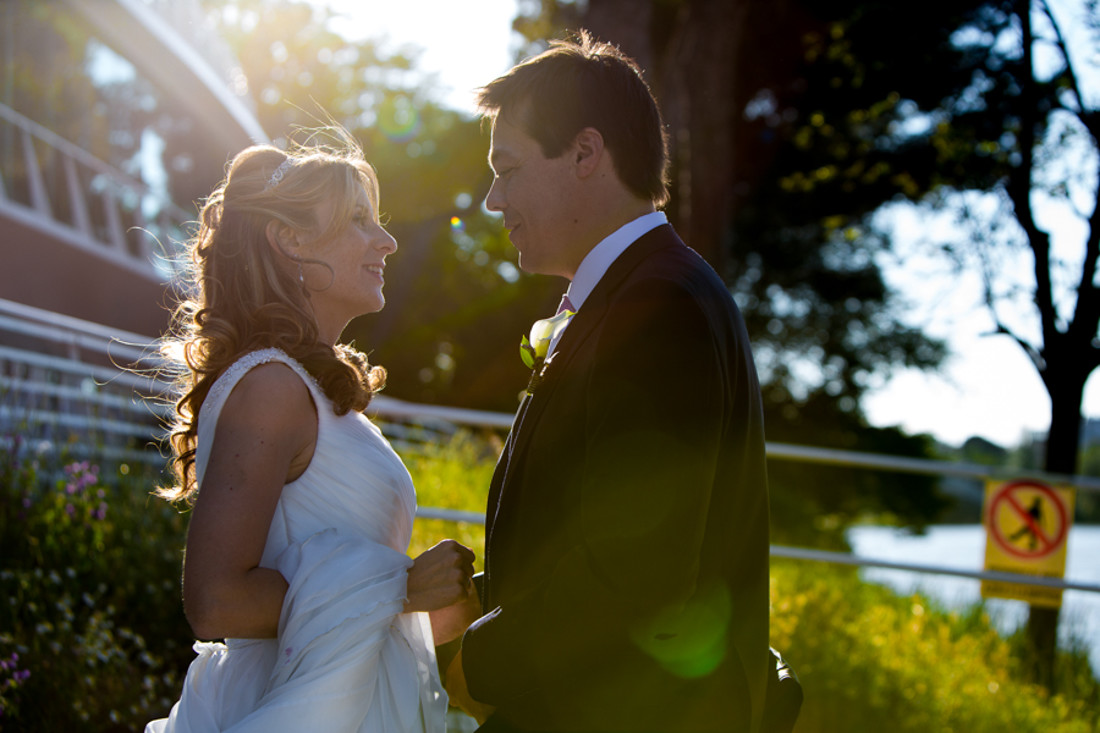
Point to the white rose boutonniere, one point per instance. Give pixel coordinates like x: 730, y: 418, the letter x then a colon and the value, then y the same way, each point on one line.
x: 533, y: 349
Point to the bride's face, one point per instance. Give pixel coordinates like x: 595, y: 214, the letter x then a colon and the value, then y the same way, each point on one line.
x: 345, y: 273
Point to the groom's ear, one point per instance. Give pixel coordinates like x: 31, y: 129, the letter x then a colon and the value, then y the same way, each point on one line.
x: 587, y: 151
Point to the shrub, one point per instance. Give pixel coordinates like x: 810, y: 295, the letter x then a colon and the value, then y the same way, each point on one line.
x: 870, y: 660
x: 91, y: 632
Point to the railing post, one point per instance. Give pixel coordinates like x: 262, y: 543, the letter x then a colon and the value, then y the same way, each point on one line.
x: 81, y: 220
x: 115, y: 236
x: 40, y: 199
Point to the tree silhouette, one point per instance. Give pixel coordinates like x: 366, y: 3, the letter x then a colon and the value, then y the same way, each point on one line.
x: 980, y: 110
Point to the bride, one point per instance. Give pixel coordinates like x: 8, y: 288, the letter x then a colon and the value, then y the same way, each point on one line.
x: 302, y: 512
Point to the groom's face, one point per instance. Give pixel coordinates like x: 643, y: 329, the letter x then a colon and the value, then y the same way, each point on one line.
x: 536, y: 196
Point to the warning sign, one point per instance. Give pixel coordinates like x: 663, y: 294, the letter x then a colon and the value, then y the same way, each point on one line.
x: 1026, y: 524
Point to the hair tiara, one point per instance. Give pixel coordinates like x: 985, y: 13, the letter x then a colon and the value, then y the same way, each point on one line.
x: 279, y: 173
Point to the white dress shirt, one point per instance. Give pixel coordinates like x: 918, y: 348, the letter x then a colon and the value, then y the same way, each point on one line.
x: 596, y: 263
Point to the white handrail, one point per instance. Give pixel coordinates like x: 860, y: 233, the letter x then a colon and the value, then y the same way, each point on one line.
x: 389, y: 407
x: 65, y: 330
x: 805, y: 553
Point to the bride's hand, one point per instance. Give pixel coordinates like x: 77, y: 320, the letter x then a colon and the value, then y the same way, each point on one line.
x: 440, y: 577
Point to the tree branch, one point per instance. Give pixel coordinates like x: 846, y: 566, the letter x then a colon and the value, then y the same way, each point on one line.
x: 1019, y: 183
x: 1060, y: 42
x: 1033, y: 353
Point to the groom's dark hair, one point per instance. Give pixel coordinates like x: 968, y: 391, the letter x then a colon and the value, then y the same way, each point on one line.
x: 586, y: 83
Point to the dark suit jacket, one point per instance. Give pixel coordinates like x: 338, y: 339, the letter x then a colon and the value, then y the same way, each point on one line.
x: 626, y: 554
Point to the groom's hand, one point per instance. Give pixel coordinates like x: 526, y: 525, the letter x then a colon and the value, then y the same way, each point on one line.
x: 460, y: 696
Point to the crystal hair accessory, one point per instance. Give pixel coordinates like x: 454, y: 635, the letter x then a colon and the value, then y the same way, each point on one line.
x: 279, y: 173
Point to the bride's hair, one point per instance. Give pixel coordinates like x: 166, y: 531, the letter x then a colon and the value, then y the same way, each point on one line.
x: 243, y: 294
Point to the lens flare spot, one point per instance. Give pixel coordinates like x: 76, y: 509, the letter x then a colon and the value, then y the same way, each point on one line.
x: 399, y: 120
x: 690, y: 640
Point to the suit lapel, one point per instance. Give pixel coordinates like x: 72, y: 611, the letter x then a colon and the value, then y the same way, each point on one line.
x: 585, y: 322
x: 580, y: 329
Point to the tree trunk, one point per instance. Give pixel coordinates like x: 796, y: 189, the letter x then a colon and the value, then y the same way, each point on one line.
x: 693, y: 54
x: 1065, y: 382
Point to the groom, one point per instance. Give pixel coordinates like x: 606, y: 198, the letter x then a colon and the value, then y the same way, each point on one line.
x: 626, y: 560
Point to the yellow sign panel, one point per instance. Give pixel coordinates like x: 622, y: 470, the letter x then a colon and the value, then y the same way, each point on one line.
x: 1026, y: 526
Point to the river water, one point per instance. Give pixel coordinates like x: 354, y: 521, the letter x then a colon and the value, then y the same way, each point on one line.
x: 962, y: 546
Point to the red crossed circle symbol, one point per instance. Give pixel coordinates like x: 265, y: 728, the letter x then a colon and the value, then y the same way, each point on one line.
x: 1007, y: 497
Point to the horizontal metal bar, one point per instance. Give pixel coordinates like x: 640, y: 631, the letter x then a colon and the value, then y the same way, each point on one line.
x: 151, y: 456
x: 104, y: 375
x: 76, y: 325
x: 394, y: 408
x: 116, y: 350
x: 804, y: 553
x: 134, y: 402
x: 899, y: 464
x: 450, y: 515
x: 34, y: 418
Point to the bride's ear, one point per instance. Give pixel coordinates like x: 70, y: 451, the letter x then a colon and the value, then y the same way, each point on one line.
x: 280, y: 237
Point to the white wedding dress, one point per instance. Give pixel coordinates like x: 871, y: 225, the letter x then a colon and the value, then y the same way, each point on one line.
x: 346, y: 658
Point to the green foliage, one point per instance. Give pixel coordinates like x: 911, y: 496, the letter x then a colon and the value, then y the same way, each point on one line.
x: 452, y: 475
x: 91, y: 629
x: 813, y: 504
x: 870, y: 660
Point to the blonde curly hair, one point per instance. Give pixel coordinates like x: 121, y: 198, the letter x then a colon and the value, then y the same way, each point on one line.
x: 243, y: 294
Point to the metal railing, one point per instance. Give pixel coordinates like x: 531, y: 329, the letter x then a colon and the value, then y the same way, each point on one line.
x: 61, y: 188
x: 78, y: 386
x: 74, y: 385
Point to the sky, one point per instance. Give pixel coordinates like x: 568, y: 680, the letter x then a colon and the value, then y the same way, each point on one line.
x: 462, y: 44
x: 987, y: 388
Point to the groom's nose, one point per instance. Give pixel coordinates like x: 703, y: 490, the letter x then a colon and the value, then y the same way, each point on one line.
x: 494, y: 200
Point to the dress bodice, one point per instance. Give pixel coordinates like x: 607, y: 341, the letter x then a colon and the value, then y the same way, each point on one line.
x: 355, y: 483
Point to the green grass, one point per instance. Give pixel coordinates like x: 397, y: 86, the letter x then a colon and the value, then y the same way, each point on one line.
x: 454, y: 475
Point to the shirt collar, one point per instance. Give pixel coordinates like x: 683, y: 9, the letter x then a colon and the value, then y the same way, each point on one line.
x: 599, y: 259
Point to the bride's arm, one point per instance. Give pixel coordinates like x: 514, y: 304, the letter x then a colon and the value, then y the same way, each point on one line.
x: 264, y: 438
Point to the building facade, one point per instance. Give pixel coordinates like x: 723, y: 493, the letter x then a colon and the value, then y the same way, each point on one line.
x: 116, y: 116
